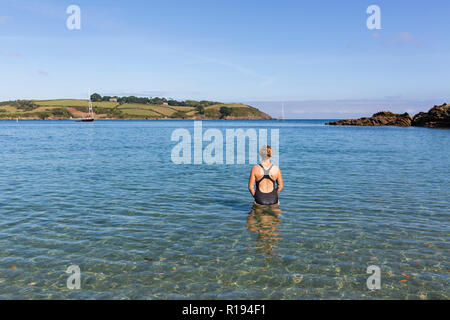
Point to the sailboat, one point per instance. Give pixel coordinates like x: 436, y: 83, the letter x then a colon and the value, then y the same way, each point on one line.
x: 282, y: 112
x: 90, y: 116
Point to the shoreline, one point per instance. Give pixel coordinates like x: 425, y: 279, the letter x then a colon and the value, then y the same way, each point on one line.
x: 128, y: 108
x: 160, y: 119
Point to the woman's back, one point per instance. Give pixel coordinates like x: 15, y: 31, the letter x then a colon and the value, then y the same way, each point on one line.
x: 267, y: 178
x: 271, y: 174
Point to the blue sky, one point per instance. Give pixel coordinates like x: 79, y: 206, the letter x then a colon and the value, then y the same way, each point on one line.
x: 318, y: 56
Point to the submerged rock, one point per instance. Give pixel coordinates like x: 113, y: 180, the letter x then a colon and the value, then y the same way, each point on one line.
x: 383, y: 118
x: 437, y: 117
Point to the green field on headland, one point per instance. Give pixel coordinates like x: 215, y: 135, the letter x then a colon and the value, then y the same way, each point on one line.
x: 127, y: 108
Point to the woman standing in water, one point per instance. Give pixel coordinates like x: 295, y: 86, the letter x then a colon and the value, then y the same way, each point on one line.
x: 265, y: 175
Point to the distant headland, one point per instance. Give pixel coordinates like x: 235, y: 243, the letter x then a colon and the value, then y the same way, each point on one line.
x: 436, y: 117
x: 128, y: 108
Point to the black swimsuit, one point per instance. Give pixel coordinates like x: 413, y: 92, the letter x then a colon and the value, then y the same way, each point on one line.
x: 266, y: 198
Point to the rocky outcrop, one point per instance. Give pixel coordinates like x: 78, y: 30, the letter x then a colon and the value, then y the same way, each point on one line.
x: 437, y: 117
x: 384, y: 118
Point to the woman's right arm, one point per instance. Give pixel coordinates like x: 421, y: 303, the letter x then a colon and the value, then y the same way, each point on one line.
x: 251, y: 182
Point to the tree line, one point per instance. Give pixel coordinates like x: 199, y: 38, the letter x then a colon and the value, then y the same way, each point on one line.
x: 156, y: 101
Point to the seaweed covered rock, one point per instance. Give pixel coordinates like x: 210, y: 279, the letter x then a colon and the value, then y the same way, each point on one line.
x: 437, y: 117
x: 383, y: 118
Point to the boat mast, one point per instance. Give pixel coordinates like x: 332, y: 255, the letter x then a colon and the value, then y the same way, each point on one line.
x: 91, y: 112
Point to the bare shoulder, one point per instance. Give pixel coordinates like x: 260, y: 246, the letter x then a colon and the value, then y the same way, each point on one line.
x: 276, y: 172
x: 255, y: 168
x: 276, y: 168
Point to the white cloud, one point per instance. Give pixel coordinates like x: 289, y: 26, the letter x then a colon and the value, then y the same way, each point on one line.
x: 353, y: 43
x: 403, y: 38
x: 339, y: 109
x: 4, y: 19
x: 137, y: 93
x: 263, y: 80
x: 376, y: 35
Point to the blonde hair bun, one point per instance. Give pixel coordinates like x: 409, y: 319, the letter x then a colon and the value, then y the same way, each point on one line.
x: 265, y: 152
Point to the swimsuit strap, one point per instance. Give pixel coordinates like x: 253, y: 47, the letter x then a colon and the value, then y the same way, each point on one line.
x: 266, y: 174
x: 266, y: 171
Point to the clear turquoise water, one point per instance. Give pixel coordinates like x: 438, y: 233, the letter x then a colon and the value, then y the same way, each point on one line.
x: 106, y: 196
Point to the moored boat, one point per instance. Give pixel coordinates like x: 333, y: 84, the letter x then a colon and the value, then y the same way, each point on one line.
x: 90, y: 116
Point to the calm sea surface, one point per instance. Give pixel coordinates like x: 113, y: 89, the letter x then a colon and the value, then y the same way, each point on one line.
x: 106, y: 196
